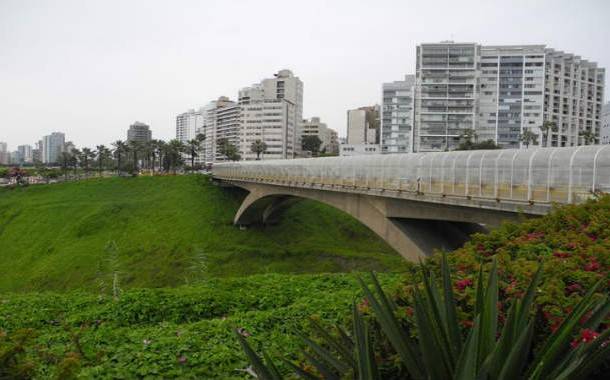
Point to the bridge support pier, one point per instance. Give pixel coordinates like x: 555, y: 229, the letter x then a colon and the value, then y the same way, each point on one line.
x: 413, y: 229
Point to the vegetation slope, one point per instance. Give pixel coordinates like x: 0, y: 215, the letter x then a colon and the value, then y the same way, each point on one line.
x: 166, y: 231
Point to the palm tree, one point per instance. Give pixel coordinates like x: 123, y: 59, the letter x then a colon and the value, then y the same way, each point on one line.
x: 161, y: 147
x: 87, y: 155
x: 75, y: 155
x: 588, y: 136
x: 546, y: 129
x: 135, y: 147
x: 119, y: 150
x: 258, y: 147
x: 528, y: 137
x: 173, y: 154
x: 64, y: 163
x: 227, y: 149
x: 103, y: 154
x: 192, y: 147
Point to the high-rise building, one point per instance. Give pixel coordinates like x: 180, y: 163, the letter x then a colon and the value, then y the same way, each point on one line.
x: 188, y: 124
x: 604, y: 135
x: 502, y: 91
x: 25, y: 154
x: 52, y: 146
x: 220, y: 120
x: 272, y: 111
x: 397, y: 115
x: 445, y: 95
x: 37, y: 151
x: 4, y: 154
x: 139, y: 132
x: 328, y: 137
x: 363, y: 125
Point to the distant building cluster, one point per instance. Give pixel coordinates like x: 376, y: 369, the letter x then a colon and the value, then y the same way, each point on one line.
x: 499, y: 93
x: 494, y: 94
x: 268, y: 112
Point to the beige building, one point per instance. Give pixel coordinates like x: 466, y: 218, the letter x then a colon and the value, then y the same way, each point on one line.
x: 272, y: 111
x: 314, y: 127
x: 363, y: 125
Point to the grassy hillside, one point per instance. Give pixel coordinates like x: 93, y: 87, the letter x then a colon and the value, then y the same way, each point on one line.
x: 166, y: 231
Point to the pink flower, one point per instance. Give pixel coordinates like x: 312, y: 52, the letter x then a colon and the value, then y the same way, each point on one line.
x: 182, y: 359
x: 586, y: 336
x: 592, y: 266
x: 561, y: 255
x: 409, y: 311
x: 463, y: 284
x: 573, y: 288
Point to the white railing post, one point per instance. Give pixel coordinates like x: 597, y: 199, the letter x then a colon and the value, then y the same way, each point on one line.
x: 570, y: 179
x: 594, y: 179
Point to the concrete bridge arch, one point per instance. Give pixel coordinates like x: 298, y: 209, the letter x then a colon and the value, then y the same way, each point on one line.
x: 414, y: 229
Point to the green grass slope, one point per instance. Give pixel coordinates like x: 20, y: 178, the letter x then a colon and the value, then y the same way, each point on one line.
x: 166, y: 231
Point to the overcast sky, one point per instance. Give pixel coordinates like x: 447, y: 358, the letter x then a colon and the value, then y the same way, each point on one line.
x: 90, y: 68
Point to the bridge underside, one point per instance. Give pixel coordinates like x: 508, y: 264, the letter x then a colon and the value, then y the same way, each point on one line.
x: 414, y: 229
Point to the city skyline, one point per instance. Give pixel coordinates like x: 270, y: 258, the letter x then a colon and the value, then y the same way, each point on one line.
x: 152, y: 74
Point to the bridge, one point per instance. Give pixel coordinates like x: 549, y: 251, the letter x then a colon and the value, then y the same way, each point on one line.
x: 419, y: 202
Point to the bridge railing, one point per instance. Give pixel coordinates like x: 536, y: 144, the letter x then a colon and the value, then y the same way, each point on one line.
x: 564, y: 175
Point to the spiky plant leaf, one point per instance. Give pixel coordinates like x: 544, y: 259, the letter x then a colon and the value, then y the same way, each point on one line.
x: 259, y: 367
x: 452, y: 327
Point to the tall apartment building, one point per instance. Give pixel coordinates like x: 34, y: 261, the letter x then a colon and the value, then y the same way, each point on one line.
x: 25, y: 154
x: 272, y: 111
x: 314, y: 127
x: 139, y: 132
x: 397, y: 115
x: 4, y: 154
x: 52, y: 146
x: 502, y: 91
x: 604, y: 135
x: 188, y: 124
x: 221, y: 119
x: 363, y: 125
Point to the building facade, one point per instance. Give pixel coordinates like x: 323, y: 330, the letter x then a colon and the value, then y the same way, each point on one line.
x: 188, y: 123
x: 501, y: 92
x: 359, y: 149
x: 25, y: 154
x: 52, y: 147
x: 221, y: 120
x: 5, y: 157
x: 139, y: 132
x: 363, y: 125
x: 328, y: 137
x: 272, y: 111
x: 397, y: 115
x: 604, y: 135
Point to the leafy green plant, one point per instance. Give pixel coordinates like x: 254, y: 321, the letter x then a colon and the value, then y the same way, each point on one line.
x: 437, y: 349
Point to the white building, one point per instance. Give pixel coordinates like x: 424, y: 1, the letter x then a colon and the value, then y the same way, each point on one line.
x: 397, y: 115
x: 221, y: 119
x: 328, y: 137
x: 604, y: 135
x: 25, y: 154
x: 187, y: 125
x: 52, y: 146
x: 363, y: 125
x: 503, y: 91
x: 272, y: 111
x: 359, y: 149
x: 4, y: 154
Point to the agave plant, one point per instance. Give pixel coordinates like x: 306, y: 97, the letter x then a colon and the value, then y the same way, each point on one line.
x: 439, y: 349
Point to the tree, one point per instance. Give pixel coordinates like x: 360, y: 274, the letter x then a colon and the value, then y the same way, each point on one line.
x: 258, y: 147
x: 193, y: 146
x: 103, y: 154
x: 588, y: 136
x: 311, y: 144
x: 87, y: 155
x: 74, y: 155
x: 227, y: 149
x: 546, y: 129
x: 528, y: 137
x: 173, y: 154
x: 134, y: 147
x: 119, y: 151
x: 64, y: 163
